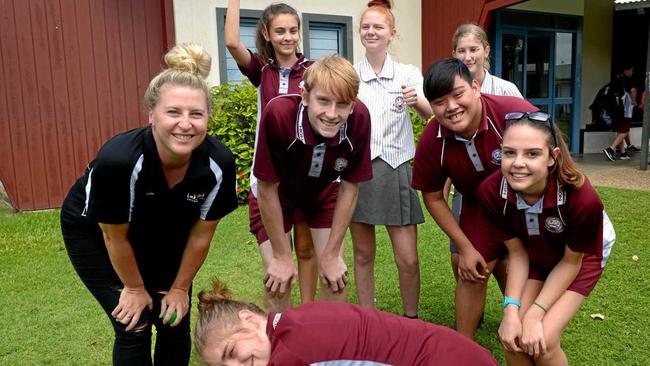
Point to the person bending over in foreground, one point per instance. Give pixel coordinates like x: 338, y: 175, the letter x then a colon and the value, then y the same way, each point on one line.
x: 307, y: 144
x: 558, y: 235
x: 463, y: 143
x: 230, y: 332
x: 137, y: 225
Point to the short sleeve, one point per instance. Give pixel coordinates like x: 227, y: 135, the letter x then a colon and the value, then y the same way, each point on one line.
x: 269, y: 143
x: 254, y: 70
x: 428, y: 175
x: 585, y: 220
x: 492, y: 205
x: 222, y: 199
x: 360, y: 167
x: 110, y: 186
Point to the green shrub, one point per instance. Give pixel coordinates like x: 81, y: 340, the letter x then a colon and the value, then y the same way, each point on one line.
x: 233, y: 123
x: 418, y: 124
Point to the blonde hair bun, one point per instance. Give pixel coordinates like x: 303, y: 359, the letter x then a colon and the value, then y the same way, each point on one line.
x: 189, y: 57
x: 219, y: 292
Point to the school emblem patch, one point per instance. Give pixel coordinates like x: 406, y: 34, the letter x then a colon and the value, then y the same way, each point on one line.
x: 553, y: 225
x: 496, y: 156
x: 340, y: 164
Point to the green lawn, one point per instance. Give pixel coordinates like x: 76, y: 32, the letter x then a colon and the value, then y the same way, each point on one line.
x: 47, y: 317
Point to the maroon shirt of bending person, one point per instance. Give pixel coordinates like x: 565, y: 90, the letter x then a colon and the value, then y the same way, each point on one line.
x: 289, y: 152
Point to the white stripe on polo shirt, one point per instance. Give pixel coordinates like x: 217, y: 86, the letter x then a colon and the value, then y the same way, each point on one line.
x: 392, y: 129
x: 609, y: 238
x: 218, y: 176
x: 135, y: 173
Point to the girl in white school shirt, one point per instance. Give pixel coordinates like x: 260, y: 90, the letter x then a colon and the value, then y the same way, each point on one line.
x: 388, y: 88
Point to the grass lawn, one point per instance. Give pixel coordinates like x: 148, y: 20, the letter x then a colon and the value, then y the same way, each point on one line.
x: 47, y: 317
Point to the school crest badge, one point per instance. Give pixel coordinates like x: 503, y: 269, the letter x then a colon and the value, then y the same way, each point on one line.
x: 496, y: 156
x: 340, y: 164
x: 553, y: 225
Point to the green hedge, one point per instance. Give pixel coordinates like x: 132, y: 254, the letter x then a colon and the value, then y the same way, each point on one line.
x: 233, y: 123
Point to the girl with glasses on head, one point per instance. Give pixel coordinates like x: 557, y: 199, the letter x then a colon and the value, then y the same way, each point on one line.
x: 557, y: 233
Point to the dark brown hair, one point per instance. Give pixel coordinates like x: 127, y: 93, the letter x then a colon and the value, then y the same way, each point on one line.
x: 265, y: 49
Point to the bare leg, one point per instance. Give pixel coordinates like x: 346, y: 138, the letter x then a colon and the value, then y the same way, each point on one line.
x: 454, y: 265
x: 273, y: 302
x: 470, y: 302
x: 320, y: 237
x: 307, y: 264
x: 404, y: 241
x: 365, y: 248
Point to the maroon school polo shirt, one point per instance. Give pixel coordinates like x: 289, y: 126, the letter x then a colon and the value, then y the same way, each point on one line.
x: 439, y: 155
x: 342, y: 333
x: 289, y: 152
x: 566, y: 216
x: 272, y: 80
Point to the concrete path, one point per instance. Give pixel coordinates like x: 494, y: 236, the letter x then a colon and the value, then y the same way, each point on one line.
x: 619, y: 173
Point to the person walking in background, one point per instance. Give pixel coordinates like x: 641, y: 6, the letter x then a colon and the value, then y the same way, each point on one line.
x: 470, y: 45
x: 138, y: 224
x: 231, y: 332
x: 275, y: 69
x: 625, y: 95
x: 556, y: 230
x: 463, y: 143
x: 312, y: 152
x: 388, y: 88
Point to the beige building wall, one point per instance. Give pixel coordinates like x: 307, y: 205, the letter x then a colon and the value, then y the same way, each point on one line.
x: 596, y: 42
x: 195, y: 21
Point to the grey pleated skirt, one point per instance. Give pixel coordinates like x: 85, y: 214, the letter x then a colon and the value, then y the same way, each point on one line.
x: 388, y: 199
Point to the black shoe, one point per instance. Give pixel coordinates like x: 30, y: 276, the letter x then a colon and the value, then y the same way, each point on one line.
x: 609, y: 153
x: 624, y: 156
x: 632, y: 148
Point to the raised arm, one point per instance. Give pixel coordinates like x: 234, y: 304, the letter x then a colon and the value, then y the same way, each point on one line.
x: 231, y: 35
x: 469, y: 257
x: 134, y: 297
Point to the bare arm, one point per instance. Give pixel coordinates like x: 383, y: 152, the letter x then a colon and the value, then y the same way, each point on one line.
x: 232, y: 37
x: 470, y: 258
x: 333, y: 268
x: 556, y: 284
x: 196, y: 250
x: 281, y: 272
x: 134, y: 297
x: 510, y: 328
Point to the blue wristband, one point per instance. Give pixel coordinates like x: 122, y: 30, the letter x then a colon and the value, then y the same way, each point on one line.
x: 509, y: 300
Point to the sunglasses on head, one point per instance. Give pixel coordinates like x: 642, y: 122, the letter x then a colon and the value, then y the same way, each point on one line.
x: 541, y: 117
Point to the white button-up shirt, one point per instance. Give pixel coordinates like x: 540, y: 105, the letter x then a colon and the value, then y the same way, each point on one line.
x: 392, y: 129
x: 497, y: 86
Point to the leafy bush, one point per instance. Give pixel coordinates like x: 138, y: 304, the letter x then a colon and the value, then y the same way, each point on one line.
x: 418, y: 124
x: 233, y: 123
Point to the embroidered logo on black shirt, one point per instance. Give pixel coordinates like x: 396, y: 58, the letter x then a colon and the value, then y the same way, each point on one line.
x: 195, y: 197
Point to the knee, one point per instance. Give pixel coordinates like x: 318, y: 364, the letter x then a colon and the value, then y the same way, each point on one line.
x: 364, y: 256
x: 410, y: 265
x: 304, y: 250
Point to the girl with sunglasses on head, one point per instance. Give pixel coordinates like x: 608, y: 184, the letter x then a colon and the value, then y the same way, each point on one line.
x: 276, y: 68
x: 557, y: 234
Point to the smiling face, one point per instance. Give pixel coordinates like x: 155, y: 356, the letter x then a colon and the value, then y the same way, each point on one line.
x: 284, y: 35
x: 249, y: 345
x: 326, y: 113
x: 460, y: 110
x: 179, y: 122
x: 526, y: 159
x: 472, y: 52
x: 375, y: 31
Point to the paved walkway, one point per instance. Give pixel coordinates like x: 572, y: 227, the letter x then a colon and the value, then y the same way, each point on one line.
x: 620, y: 173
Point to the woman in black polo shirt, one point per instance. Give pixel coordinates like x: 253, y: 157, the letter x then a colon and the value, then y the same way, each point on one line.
x: 138, y: 224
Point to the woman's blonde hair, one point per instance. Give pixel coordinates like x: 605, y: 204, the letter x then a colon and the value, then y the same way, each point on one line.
x: 471, y: 29
x: 219, y: 314
x: 186, y: 64
x: 335, y: 75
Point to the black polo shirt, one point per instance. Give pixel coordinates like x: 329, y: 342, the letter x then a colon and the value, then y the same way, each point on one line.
x: 126, y: 184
